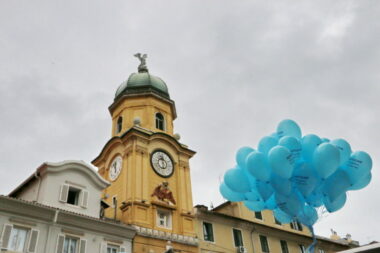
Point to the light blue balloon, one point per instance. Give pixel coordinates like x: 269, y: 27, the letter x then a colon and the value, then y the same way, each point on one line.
x: 256, y: 206
x: 229, y: 194
x: 363, y: 182
x: 281, y: 162
x: 344, y: 149
x: 336, y: 185
x: 266, y: 144
x: 309, y: 144
x: 326, y: 159
x: 241, y: 155
x: 264, y: 189
x: 258, y: 166
x: 315, y: 199
x: 293, y: 144
x: 281, y: 185
x: 324, y: 140
x: 237, y: 180
x: 291, y: 204
x: 336, y: 205
x: 304, y: 178
x: 281, y: 216
x: 274, y: 135
x: 271, y: 203
x: 253, y: 195
x: 358, y: 166
x: 308, y: 216
x: 288, y: 127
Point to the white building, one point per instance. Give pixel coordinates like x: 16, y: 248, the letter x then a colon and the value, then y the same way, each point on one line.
x: 57, y: 210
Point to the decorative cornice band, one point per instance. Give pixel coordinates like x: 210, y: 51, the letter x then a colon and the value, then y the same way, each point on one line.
x: 153, y: 233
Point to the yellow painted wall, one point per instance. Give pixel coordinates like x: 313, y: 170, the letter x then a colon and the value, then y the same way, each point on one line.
x: 137, y: 180
x: 237, y: 209
x: 145, y: 108
x: 238, y: 217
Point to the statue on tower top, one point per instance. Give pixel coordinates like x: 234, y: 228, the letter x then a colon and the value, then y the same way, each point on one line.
x: 142, y: 67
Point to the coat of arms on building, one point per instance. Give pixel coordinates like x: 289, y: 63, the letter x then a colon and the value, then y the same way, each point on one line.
x: 163, y: 193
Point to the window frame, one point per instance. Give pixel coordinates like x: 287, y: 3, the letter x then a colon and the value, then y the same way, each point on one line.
x: 261, y: 243
x: 302, y: 248
x: 113, y: 246
x: 212, y: 231
x: 296, y: 225
x: 159, y: 121
x: 119, y: 124
x: 260, y: 214
x: 82, y: 196
x: 71, y: 238
x: 26, y: 238
x: 168, y: 221
x: 233, y: 237
x: 78, y: 193
x: 284, y: 243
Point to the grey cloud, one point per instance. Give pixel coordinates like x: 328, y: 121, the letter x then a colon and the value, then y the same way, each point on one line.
x: 234, y: 69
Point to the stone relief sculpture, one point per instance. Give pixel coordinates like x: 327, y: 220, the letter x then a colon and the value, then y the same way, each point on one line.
x: 163, y: 193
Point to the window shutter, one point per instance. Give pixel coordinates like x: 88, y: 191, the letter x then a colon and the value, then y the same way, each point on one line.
x: 33, y: 241
x: 123, y: 250
x: 7, y: 230
x: 64, y: 193
x: 60, y: 241
x: 82, y: 246
x: 103, y: 247
x: 84, y: 199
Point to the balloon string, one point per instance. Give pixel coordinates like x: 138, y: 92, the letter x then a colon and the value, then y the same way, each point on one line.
x: 311, y: 248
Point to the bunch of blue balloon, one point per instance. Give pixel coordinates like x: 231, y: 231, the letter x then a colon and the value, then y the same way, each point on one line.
x: 294, y: 175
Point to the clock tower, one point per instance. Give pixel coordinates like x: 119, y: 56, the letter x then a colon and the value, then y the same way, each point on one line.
x: 148, y: 167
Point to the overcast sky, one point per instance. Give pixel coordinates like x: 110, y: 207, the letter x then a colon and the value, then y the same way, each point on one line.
x: 234, y: 68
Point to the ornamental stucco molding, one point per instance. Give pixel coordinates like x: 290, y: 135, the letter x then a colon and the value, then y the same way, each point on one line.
x: 153, y: 233
x: 184, y: 164
x: 141, y: 149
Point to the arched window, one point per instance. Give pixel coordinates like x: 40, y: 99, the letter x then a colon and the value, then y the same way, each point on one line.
x: 160, y: 122
x: 119, y: 124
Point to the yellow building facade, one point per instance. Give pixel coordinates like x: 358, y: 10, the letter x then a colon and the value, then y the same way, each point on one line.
x: 151, y: 186
x: 231, y: 227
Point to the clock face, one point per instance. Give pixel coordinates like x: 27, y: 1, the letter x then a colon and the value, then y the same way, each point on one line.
x: 115, y: 168
x: 162, y: 163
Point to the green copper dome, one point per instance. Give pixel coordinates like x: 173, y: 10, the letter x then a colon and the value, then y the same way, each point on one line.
x: 142, y: 82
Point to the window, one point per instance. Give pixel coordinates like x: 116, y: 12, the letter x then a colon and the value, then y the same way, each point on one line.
x: 114, y: 202
x: 164, y: 218
x: 160, y: 123
x: 119, y: 124
x: 302, y: 248
x: 258, y: 215
x: 73, y: 196
x: 18, y: 239
x: 296, y: 225
x: 277, y: 221
x: 238, y: 238
x: 208, y: 233
x: 70, y: 245
x: 284, y: 246
x: 112, y: 249
x: 264, y: 244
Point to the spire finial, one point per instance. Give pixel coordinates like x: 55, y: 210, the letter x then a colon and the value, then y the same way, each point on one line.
x: 142, y: 67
